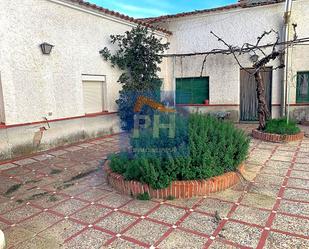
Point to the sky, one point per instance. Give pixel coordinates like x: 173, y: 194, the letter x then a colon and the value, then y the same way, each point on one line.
x: 151, y: 8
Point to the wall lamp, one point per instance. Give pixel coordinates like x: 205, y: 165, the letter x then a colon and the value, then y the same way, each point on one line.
x: 46, y: 48
x: 254, y: 58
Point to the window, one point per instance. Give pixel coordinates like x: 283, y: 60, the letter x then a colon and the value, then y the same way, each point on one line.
x: 94, y: 94
x: 192, y: 90
x: 302, y: 88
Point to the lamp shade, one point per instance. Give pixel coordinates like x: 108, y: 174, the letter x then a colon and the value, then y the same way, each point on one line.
x: 46, y: 48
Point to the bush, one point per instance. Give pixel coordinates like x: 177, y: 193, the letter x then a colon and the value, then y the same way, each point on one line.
x: 280, y: 126
x: 138, y: 55
x: 143, y: 197
x: 203, y: 147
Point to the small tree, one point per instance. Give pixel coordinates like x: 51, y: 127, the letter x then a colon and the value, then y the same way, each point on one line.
x: 139, y: 54
x: 263, y: 58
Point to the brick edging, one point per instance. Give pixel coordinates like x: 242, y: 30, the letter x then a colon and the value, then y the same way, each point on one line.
x: 177, y: 189
x: 277, y: 138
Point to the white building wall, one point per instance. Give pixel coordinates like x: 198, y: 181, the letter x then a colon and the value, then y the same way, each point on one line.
x: 35, y: 84
x: 191, y: 34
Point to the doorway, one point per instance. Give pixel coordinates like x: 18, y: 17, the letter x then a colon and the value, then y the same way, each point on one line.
x: 248, y: 96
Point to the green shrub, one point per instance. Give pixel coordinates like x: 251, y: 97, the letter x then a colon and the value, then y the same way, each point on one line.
x: 280, y: 126
x: 143, y: 197
x: 170, y: 198
x: 203, y: 147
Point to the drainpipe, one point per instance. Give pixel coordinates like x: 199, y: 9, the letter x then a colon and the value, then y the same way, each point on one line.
x: 174, y: 80
x: 287, y: 18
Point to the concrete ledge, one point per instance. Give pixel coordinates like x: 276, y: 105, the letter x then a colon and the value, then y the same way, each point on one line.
x: 276, y: 138
x: 23, y: 140
x: 177, y: 189
x: 305, y: 123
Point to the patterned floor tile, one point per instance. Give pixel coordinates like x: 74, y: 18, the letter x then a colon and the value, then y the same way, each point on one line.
x: 296, y: 194
x: 296, y: 208
x: 40, y: 222
x: 93, y: 194
x: 251, y: 215
x: 228, y: 195
x: 241, y: 234
x: 123, y: 244
x: 283, y: 241
x: 168, y: 214
x: 139, y: 207
x: 61, y: 231
x: 39, y: 243
x: 214, y: 206
x: 298, y: 183
x: 180, y: 239
x: 114, y: 200
x: 300, y: 174
x: 116, y: 222
x: 184, y: 203
x: 91, y: 213
x: 68, y: 207
x: 147, y: 231
x: 20, y: 214
x: 200, y: 223
x: 291, y: 224
x: 17, y: 234
x: 89, y: 239
x: 265, y: 189
x: 220, y: 245
x: 259, y: 200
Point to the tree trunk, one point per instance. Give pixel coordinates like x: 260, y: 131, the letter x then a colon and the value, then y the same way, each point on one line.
x: 263, y: 112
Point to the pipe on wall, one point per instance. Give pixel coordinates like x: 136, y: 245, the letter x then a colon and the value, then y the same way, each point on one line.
x: 287, y: 18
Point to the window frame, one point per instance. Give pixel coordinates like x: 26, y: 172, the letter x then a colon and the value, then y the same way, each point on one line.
x: 207, y: 81
x: 299, y: 99
x: 96, y: 78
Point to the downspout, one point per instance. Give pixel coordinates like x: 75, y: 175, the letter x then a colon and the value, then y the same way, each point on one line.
x: 287, y: 18
x: 174, y: 80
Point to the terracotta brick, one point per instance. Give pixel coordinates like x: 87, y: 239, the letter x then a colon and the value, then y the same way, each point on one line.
x: 178, y: 189
x: 277, y: 138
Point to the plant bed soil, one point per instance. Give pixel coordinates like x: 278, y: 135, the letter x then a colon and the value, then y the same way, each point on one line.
x: 277, y: 138
x: 177, y: 189
x: 305, y: 123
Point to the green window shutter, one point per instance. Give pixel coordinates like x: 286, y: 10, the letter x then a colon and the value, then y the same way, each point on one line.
x: 192, y: 90
x: 302, y: 88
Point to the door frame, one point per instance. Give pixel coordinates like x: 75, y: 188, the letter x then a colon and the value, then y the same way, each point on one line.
x: 270, y: 68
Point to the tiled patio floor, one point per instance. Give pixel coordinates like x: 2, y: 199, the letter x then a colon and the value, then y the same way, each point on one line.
x: 60, y: 199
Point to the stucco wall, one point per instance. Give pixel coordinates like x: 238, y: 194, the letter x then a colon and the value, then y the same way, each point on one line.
x: 22, y: 140
x: 2, y: 116
x: 192, y: 34
x: 35, y: 85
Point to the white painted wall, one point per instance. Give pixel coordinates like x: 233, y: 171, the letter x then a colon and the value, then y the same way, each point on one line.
x: 35, y: 85
x: 237, y: 26
x: 2, y: 115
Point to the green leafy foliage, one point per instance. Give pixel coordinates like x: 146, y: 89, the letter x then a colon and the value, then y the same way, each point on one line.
x: 138, y: 54
x: 170, y: 198
x: 204, y: 148
x: 280, y: 126
x: 143, y: 197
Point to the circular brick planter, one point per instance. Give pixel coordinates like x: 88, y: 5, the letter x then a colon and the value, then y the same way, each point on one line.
x: 276, y: 138
x: 177, y: 189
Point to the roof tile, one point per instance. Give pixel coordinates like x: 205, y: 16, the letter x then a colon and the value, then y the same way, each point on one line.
x: 118, y: 15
